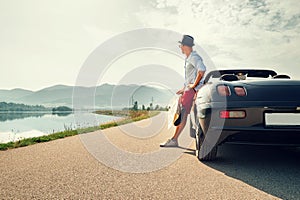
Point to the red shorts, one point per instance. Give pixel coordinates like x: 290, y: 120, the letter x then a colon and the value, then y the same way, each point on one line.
x: 187, y: 100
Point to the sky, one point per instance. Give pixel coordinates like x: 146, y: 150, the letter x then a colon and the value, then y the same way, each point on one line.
x: 45, y: 43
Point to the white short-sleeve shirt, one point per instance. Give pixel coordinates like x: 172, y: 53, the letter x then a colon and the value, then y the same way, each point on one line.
x: 193, y: 64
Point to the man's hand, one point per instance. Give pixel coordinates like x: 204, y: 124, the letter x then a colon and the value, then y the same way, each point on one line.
x: 180, y: 91
x: 191, y: 86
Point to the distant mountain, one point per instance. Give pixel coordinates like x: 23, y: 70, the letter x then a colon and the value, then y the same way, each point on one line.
x: 56, y: 87
x: 11, y: 95
x: 105, y: 95
x: 48, y: 95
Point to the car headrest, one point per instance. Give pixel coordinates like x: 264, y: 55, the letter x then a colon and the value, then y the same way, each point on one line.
x: 281, y: 76
x: 229, y: 77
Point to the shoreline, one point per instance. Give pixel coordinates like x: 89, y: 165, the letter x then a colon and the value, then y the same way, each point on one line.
x: 129, y: 118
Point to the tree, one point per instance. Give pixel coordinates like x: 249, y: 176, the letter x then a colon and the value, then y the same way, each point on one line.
x: 143, y: 107
x: 135, y: 106
x: 151, y: 106
x: 62, y: 109
x: 16, y: 107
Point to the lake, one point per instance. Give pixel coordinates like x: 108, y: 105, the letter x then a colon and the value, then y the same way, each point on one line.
x: 15, y: 126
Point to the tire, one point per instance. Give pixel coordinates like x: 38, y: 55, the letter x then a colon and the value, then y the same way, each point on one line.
x: 192, y: 132
x: 200, y: 132
x: 193, y: 114
x: 200, y: 136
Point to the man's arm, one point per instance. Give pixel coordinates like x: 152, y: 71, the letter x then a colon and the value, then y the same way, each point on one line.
x: 200, y: 74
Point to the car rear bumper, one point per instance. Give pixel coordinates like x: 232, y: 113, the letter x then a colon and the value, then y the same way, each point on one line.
x: 258, y: 135
x: 253, y: 128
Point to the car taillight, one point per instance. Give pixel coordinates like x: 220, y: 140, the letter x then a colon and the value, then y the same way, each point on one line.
x: 235, y: 114
x: 223, y: 90
x: 240, y: 91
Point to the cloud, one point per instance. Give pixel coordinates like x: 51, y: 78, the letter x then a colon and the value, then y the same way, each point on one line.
x: 41, y: 40
x: 254, y: 33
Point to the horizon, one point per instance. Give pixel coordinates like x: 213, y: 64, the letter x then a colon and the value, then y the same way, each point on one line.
x: 59, y: 85
x: 128, y: 84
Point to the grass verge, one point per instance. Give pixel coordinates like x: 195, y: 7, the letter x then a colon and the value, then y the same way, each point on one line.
x: 128, y: 117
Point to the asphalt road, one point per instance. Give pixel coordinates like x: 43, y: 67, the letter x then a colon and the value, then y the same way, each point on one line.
x: 72, y: 168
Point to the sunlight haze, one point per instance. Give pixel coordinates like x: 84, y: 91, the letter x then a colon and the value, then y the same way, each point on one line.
x: 45, y: 43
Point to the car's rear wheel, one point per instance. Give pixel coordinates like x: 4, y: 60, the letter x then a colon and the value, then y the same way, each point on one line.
x: 211, y: 155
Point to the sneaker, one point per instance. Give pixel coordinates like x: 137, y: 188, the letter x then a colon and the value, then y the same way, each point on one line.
x: 170, y: 143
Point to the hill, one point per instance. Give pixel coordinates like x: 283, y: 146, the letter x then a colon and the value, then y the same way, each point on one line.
x: 102, y: 96
x: 16, y: 107
x: 11, y: 95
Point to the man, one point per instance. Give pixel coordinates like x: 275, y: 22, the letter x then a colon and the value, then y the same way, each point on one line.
x: 194, y: 77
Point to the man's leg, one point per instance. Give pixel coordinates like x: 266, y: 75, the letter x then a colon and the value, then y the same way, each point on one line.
x: 174, y: 141
x: 180, y: 127
x: 187, y: 100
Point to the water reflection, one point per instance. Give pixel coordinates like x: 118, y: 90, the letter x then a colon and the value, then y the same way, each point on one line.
x: 9, y: 116
x: 15, y: 126
x: 60, y: 114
